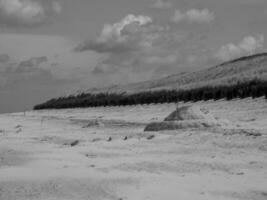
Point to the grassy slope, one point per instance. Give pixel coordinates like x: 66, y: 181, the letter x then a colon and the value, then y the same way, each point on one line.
x: 242, y: 69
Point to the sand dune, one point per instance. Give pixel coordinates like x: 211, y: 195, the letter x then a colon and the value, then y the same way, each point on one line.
x: 228, y: 73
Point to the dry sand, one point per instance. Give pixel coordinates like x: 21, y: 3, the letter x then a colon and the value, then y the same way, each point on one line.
x: 104, y: 154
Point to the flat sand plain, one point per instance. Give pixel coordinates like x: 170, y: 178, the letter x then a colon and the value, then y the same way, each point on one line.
x: 104, y: 154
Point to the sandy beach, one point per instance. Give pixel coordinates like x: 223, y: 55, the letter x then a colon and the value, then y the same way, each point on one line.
x: 104, y: 154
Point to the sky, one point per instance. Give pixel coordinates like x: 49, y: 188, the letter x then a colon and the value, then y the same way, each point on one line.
x: 50, y: 48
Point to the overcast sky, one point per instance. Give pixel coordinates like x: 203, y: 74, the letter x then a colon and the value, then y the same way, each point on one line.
x: 52, y: 47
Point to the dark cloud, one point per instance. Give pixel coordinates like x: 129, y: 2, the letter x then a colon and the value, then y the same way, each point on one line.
x: 28, y: 72
x: 22, y: 90
x: 25, y: 84
x: 103, y: 68
x: 31, y: 64
x: 106, y: 47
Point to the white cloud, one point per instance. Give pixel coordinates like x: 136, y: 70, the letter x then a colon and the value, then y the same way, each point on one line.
x: 115, y: 30
x: 57, y: 7
x: 194, y: 16
x: 119, y: 37
x: 138, y: 45
x: 17, y: 13
x: 161, y: 4
x: 27, y: 12
x: 178, y: 16
x: 248, y: 46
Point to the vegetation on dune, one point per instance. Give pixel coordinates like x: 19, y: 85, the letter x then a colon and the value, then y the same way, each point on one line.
x: 254, y: 88
x: 232, y: 72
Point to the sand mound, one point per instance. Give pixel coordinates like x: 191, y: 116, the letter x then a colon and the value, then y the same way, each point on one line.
x: 189, y: 113
x: 185, y: 118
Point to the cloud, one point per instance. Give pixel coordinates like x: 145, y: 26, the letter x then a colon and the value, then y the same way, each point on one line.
x: 248, y: 46
x: 32, y: 63
x: 115, y: 30
x: 57, y: 7
x: 4, y: 58
x: 118, y: 37
x: 31, y: 73
x: 29, y: 13
x: 26, y: 12
x: 29, y: 82
x: 140, y: 47
x: 193, y: 16
x: 161, y: 4
x: 163, y: 60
